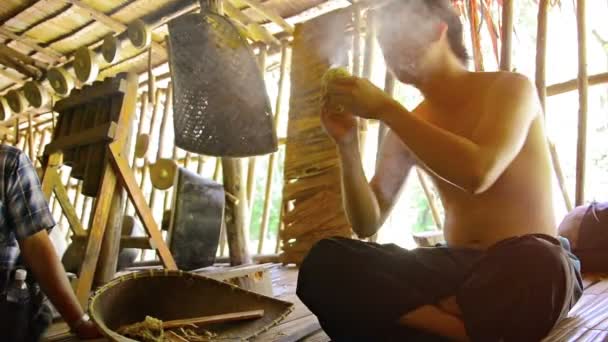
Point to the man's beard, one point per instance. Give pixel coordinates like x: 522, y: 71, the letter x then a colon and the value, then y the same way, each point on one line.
x: 406, y: 72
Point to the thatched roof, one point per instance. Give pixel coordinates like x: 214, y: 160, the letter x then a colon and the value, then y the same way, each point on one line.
x: 45, y: 33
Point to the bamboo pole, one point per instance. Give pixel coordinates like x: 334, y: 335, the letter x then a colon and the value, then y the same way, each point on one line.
x: 169, y: 192
x: 357, y: 41
x: 155, y: 112
x: 571, y: 85
x: 41, y: 142
x: 583, y: 85
x: 506, y: 35
x: 186, y: 160
x: 161, y: 136
x: 541, y: 59
x: 143, y: 110
x: 30, y: 139
x: 236, y: 212
x: 272, y: 157
x: 200, y: 164
x: 541, y: 51
x: 277, y: 247
x: 487, y: 14
x: 476, y: 43
x: 430, y: 199
x: 368, y: 64
x: 251, y: 167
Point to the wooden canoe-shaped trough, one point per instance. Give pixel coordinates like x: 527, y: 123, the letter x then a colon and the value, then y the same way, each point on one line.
x: 174, y: 295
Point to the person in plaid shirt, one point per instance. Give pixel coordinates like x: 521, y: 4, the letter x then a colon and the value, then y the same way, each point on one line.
x: 25, y: 220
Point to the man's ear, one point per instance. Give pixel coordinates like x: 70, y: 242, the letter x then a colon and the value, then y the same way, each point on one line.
x: 442, y: 31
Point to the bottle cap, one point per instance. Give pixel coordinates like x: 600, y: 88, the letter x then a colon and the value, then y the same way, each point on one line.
x: 20, y: 274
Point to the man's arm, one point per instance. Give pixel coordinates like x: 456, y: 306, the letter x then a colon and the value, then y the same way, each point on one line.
x: 472, y: 164
x: 39, y: 254
x: 29, y: 216
x: 368, y: 205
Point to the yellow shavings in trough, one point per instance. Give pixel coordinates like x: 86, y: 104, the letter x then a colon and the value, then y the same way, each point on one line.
x: 151, y: 330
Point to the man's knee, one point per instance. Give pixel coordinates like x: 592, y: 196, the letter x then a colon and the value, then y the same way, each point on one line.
x: 318, y: 266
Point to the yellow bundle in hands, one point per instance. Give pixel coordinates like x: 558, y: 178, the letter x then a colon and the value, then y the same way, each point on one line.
x: 332, y: 74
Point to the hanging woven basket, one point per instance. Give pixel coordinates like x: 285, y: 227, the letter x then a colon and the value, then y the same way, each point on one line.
x: 221, y: 107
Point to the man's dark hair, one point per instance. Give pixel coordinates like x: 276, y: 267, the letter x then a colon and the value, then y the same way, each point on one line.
x: 444, y: 11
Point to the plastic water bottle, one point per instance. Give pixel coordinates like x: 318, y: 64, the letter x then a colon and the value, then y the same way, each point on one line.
x: 18, y: 292
x: 18, y: 300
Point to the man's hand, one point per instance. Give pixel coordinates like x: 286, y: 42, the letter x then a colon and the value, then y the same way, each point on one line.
x: 358, y: 96
x: 87, y: 330
x: 341, y: 127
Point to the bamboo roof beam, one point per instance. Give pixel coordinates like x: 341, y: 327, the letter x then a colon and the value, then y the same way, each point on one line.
x: 108, y: 21
x: 255, y: 31
x: 14, y: 78
x: 20, y: 62
x: 269, y: 14
x: 48, y: 53
x: 583, y: 85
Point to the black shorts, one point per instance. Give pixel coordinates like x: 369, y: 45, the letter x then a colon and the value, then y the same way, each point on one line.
x: 516, y: 290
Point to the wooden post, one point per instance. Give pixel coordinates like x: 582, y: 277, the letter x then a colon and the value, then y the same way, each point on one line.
x: 272, y: 157
x: 236, y: 213
x: 583, y: 85
x: 506, y: 35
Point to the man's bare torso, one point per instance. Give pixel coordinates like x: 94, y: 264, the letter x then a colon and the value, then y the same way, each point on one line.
x: 518, y: 203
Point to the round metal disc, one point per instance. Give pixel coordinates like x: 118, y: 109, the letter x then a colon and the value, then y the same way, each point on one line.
x: 139, y: 34
x: 5, y: 110
x: 85, y: 65
x: 109, y: 48
x: 61, y: 81
x: 16, y: 101
x: 35, y: 94
x: 162, y: 173
x: 141, y: 145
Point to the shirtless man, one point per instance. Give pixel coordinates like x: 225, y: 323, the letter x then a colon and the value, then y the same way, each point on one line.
x: 504, y: 274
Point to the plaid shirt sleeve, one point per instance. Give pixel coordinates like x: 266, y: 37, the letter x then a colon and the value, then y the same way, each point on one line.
x: 27, y: 210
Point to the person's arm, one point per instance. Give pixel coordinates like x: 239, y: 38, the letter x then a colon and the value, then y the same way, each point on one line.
x: 368, y: 205
x: 39, y: 255
x: 29, y: 216
x: 472, y: 164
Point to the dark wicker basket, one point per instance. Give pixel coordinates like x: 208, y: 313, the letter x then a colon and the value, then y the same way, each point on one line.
x: 171, y: 295
x: 221, y: 107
